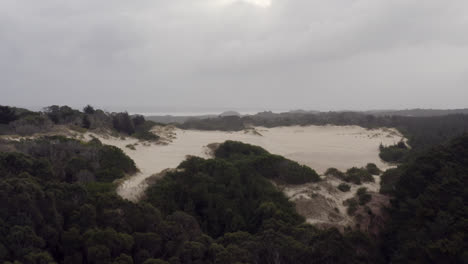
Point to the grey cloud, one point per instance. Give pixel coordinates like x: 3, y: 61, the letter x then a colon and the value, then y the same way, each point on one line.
x: 336, y: 54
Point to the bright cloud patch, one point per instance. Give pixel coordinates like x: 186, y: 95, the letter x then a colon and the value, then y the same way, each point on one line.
x: 258, y: 3
x: 261, y: 3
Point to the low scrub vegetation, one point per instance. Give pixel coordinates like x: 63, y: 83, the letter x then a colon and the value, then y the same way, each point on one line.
x: 355, y: 175
x: 394, y: 154
x: 352, y: 206
x: 363, y: 196
x: 344, y: 187
x: 373, y: 169
x: 25, y: 122
x: 72, y: 160
x: 358, y: 176
x: 335, y: 173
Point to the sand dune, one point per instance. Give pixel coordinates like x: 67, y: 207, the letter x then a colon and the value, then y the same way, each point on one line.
x: 319, y: 147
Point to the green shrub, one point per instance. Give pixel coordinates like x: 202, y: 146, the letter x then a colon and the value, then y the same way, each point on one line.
x: 146, y: 136
x: 394, y: 154
x: 363, y: 196
x: 7, y: 115
x: 143, y: 129
x: 85, y: 122
x: 63, y: 115
x: 344, y: 187
x: 361, y: 191
x: 111, y: 157
x: 389, y: 180
x: 31, y: 124
x: 123, y: 123
x: 373, y: 169
x: 130, y: 146
x: 335, y: 173
x: 358, y: 176
x: 238, y: 150
x: 352, y: 205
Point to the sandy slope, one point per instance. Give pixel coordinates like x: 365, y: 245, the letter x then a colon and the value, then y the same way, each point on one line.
x: 319, y: 147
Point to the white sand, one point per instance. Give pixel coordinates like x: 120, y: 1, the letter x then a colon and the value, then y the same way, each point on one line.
x: 319, y: 147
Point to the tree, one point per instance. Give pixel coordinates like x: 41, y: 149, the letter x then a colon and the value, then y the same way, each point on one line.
x: 62, y: 114
x: 89, y: 110
x: 7, y: 115
x: 155, y: 261
x: 98, y: 254
x: 138, y: 120
x: 123, y: 123
x: 123, y: 259
x: 85, y: 122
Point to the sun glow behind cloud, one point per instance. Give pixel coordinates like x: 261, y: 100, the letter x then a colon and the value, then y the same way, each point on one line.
x: 260, y: 3
x: 257, y: 3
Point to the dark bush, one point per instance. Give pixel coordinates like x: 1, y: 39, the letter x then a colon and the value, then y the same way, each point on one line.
x: 138, y: 120
x: 123, y: 123
x: 344, y: 187
x: 31, y: 124
x: 143, y: 129
x: 86, y: 123
x: 389, y: 179
x: 7, y: 115
x: 363, y: 196
x: 335, y: 173
x: 352, y: 205
x: 373, y: 169
x: 89, y: 110
x: 358, y: 176
x: 394, y: 154
x: 111, y: 158
x: 238, y: 150
x: 63, y: 115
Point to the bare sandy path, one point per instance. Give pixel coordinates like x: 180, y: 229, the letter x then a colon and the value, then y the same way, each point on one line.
x: 319, y: 147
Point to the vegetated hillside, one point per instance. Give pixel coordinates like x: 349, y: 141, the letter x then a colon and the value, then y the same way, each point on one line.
x: 24, y: 122
x: 58, y: 158
x: 47, y: 217
x: 430, y: 208
x: 231, y: 193
x: 274, y: 167
x: 56, y: 207
x: 419, y: 112
x: 169, y: 119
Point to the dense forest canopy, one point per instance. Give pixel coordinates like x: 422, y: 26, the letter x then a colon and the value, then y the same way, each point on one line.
x: 430, y: 209
x: 59, y: 203
x: 209, y: 211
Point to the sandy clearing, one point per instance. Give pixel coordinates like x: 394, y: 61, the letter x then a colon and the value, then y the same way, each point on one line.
x: 322, y: 203
x: 319, y: 147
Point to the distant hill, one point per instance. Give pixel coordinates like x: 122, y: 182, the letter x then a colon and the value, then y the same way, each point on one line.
x: 230, y: 113
x: 170, y: 119
x: 418, y: 112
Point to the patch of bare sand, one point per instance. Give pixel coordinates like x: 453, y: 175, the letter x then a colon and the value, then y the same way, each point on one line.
x: 322, y: 204
x: 319, y: 147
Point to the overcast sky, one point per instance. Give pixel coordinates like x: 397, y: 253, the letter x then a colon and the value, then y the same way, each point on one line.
x: 255, y: 54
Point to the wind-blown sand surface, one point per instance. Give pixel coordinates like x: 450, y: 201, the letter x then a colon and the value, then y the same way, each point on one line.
x: 319, y: 147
